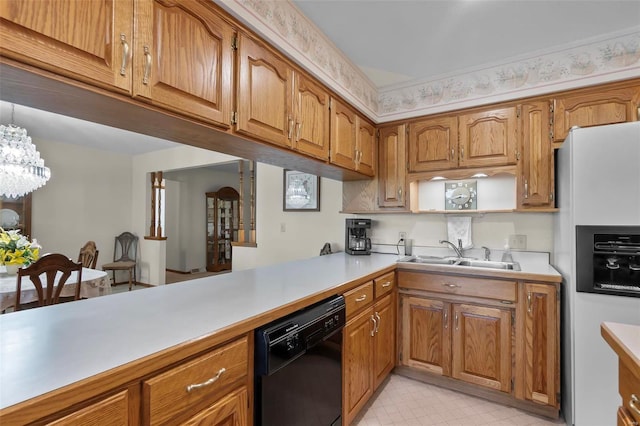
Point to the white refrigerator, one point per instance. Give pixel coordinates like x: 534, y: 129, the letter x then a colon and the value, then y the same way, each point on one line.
x: 598, y: 183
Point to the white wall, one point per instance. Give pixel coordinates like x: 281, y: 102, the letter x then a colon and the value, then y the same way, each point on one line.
x: 84, y: 200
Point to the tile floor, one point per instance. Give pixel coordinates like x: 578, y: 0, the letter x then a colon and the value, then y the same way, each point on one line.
x: 407, y: 402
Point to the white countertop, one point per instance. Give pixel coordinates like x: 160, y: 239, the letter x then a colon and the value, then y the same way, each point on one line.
x: 625, y: 340
x: 48, y: 348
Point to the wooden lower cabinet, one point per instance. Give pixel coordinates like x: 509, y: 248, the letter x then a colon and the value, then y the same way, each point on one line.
x: 229, y: 411
x: 467, y: 342
x: 368, y: 343
x: 111, y: 411
x: 496, y: 338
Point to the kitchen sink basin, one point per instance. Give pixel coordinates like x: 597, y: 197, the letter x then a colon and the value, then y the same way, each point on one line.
x: 463, y: 262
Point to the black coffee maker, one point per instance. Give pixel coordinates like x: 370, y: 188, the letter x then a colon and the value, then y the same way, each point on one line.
x: 355, y: 239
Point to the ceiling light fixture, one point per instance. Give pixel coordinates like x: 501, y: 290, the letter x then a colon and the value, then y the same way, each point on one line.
x: 21, y: 168
x: 480, y: 175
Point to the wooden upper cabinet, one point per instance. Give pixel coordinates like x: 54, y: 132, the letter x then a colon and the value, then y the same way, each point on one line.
x: 311, y: 107
x: 488, y: 138
x: 535, y: 180
x: 343, y: 135
x: 433, y: 144
x: 594, y: 108
x: 85, y: 40
x: 542, y: 376
x: 365, y: 147
x: 183, y: 59
x: 392, y: 166
x: 263, y: 97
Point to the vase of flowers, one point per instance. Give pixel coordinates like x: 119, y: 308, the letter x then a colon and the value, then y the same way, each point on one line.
x: 16, y: 250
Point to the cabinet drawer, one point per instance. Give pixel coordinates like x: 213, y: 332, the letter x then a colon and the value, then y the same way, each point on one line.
x: 358, y: 298
x: 461, y: 286
x: 111, y: 411
x: 168, y: 394
x: 384, y: 284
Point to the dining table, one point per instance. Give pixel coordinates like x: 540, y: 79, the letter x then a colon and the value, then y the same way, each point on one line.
x: 94, y: 283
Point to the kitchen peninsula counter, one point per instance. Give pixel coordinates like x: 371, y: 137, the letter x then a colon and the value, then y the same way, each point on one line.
x: 94, y: 345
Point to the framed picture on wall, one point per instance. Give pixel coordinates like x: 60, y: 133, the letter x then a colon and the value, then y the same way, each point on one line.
x: 15, y: 213
x: 301, y: 192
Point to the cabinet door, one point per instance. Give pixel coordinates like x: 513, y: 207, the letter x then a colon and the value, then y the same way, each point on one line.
x: 426, y: 335
x: 312, y: 118
x: 343, y: 135
x: 488, y: 138
x: 183, y: 59
x: 482, y: 346
x: 594, y: 109
x: 433, y: 144
x: 264, y: 94
x: 229, y: 411
x: 357, y: 359
x: 392, y: 167
x: 111, y: 411
x: 384, y: 342
x: 535, y: 186
x: 366, y: 147
x: 541, y: 343
x: 85, y: 40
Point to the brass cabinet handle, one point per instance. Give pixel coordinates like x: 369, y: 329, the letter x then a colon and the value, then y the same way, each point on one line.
x: 453, y: 154
x: 147, y: 65
x: 361, y: 298
x: 400, y: 194
x: 462, y: 153
x: 632, y: 403
x: 456, y: 320
x: 450, y: 285
x: 290, y: 133
x: 125, y: 54
x: 378, y: 321
x: 299, y: 128
x: 375, y: 326
x: 526, y: 189
x: 446, y: 317
x: 208, y: 382
x: 387, y: 284
x: 529, y: 301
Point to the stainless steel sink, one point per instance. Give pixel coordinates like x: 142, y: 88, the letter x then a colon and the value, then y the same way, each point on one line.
x: 463, y: 262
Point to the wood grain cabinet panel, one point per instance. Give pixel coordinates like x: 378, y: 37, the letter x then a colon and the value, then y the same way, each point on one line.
x: 384, y: 339
x: 392, y: 167
x: 111, y: 411
x: 183, y: 59
x: 433, y: 144
x: 595, y: 107
x: 311, y: 107
x: 488, y: 138
x: 229, y: 411
x: 359, y: 298
x: 366, y: 147
x: 357, y: 361
x: 426, y: 335
x: 89, y: 41
x: 264, y: 94
x: 536, y: 177
x: 343, y: 135
x: 481, y: 346
x: 541, y: 378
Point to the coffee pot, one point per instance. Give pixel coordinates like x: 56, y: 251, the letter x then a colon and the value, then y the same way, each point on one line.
x: 356, y: 240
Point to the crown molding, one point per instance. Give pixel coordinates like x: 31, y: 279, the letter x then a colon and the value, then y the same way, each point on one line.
x: 612, y: 57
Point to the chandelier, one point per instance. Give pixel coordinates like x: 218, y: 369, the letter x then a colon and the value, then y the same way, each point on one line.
x: 21, y: 168
x: 297, y: 195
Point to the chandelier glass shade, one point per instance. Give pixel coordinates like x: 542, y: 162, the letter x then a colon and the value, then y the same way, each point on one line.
x: 21, y: 168
x: 297, y: 195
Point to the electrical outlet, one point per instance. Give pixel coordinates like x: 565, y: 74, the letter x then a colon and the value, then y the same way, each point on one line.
x: 402, y: 235
x: 283, y: 227
x: 518, y: 241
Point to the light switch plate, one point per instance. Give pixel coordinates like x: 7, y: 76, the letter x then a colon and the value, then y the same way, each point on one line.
x: 518, y: 241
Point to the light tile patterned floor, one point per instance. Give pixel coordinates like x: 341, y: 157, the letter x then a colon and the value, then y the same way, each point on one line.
x: 408, y: 402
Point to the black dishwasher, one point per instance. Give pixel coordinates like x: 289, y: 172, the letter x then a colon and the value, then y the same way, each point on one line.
x: 298, y: 367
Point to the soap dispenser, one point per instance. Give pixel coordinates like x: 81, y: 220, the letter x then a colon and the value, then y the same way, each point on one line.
x: 506, y: 256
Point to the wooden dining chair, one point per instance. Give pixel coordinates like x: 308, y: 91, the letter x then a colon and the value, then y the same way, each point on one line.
x: 125, y: 252
x: 56, y: 269
x: 89, y: 255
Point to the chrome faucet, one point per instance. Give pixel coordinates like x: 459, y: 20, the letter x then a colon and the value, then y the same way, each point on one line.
x: 458, y: 249
x: 487, y: 253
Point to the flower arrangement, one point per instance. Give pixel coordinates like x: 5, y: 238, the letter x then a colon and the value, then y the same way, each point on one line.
x: 16, y: 249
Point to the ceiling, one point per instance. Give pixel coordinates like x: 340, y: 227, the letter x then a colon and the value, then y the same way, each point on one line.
x: 398, y: 41
x: 395, y: 41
